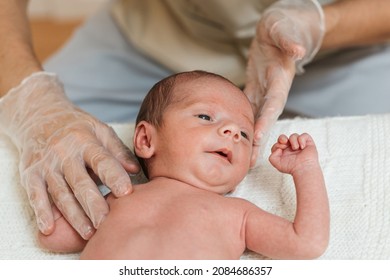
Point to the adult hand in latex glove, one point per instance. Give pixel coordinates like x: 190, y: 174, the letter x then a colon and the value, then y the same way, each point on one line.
x: 58, y: 144
x: 288, y: 36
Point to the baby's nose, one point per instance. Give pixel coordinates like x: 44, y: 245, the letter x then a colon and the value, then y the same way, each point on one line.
x: 231, y: 130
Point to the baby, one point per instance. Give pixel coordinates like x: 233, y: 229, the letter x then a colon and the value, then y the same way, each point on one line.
x: 194, y: 135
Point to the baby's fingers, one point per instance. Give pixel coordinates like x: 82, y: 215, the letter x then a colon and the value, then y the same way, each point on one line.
x: 294, y: 143
x: 304, y: 140
x: 299, y: 141
x: 282, y: 143
x: 280, y: 146
x: 283, y: 139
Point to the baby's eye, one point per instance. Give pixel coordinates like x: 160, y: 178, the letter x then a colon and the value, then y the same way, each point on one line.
x: 204, y: 117
x: 243, y: 134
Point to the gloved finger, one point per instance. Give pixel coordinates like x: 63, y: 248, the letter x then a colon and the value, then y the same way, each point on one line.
x: 252, y: 86
x: 108, y: 169
x: 254, y: 156
x: 271, y: 110
x: 86, y: 191
x: 270, y: 113
x: 260, y: 140
x: 262, y: 128
x: 39, y: 201
x: 67, y: 204
x: 120, y: 151
x: 287, y: 42
x: 278, y: 85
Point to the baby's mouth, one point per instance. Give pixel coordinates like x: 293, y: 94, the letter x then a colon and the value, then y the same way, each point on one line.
x: 224, y: 153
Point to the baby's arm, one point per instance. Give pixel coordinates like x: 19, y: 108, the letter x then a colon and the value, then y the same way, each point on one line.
x: 308, y: 236
x: 64, y: 239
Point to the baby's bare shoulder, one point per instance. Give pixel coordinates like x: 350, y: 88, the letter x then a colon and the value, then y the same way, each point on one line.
x: 240, y: 204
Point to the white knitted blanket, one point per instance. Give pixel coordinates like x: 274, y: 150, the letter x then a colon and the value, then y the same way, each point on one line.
x: 355, y: 156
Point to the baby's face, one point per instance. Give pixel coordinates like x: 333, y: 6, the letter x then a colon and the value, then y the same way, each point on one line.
x: 207, y: 136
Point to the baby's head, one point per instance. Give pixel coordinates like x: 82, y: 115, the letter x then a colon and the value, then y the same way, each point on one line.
x: 196, y: 127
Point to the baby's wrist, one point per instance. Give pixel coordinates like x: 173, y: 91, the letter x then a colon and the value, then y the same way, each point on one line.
x: 305, y: 168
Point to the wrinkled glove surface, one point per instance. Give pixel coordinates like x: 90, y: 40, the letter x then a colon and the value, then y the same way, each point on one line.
x: 61, y: 148
x: 288, y: 36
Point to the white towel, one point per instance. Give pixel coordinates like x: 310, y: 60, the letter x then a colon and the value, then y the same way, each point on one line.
x: 355, y: 157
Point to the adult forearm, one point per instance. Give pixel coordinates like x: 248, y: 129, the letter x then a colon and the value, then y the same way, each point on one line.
x: 356, y: 23
x: 17, y: 58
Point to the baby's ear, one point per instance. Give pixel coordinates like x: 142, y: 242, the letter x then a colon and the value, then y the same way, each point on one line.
x: 143, y: 140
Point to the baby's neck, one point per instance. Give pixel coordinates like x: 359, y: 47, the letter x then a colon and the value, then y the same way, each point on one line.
x: 173, y: 183
x: 163, y: 180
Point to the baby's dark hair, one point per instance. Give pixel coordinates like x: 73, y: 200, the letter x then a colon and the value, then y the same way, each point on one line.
x: 162, y: 95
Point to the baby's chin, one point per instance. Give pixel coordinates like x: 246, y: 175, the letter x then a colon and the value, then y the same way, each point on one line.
x: 217, y: 182
x: 214, y: 186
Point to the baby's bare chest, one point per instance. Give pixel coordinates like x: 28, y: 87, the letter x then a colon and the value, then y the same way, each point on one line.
x: 208, y: 227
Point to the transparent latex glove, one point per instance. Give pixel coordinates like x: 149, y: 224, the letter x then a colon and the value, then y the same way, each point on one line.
x: 287, y: 37
x: 59, y: 145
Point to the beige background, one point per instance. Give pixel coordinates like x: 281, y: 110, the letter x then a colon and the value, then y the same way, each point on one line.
x: 53, y: 21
